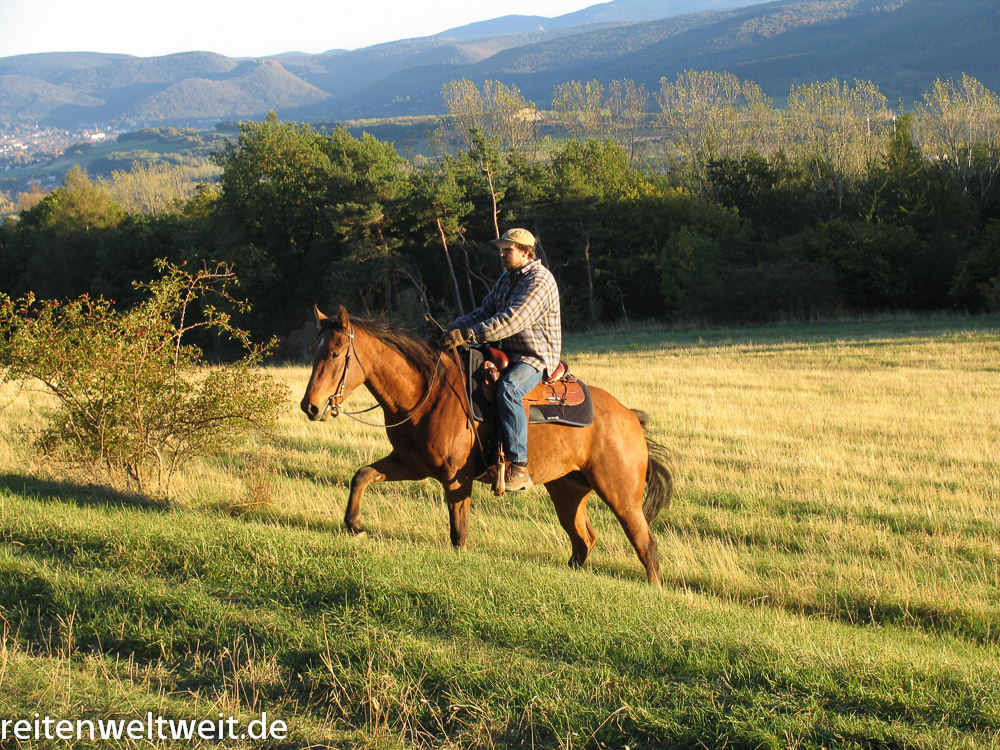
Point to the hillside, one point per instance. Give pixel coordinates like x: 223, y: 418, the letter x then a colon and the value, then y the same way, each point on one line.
x: 341, y: 74
x: 249, y: 89
x: 33, y: 99
x: 617, y: 12
x: 901, y: 45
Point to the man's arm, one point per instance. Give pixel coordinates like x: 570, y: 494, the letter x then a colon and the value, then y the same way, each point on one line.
x: 481, y: 313
x: 528, y: 305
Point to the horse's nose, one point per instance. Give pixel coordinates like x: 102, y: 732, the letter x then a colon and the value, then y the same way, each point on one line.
x: 311, y: 410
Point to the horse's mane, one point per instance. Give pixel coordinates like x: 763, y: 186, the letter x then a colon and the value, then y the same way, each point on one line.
x: 417, y: 351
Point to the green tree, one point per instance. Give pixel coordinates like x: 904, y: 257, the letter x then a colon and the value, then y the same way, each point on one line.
x: 440, y: 204
x: 958, y: 125
x: 369, y: 193
x: 590, y: 180
x: 871, y: 260
x: 299, y: 206
x: 274, y: 185
x: 976, y: 285
x: 54, y: 247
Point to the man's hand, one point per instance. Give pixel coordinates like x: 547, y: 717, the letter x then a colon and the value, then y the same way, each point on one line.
x: 455, y: 337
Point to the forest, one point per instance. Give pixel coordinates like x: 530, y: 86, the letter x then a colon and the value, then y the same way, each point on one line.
x: 702, y: 200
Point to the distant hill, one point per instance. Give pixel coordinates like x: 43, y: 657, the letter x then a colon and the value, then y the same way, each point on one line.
x: 901, y: 45
x: 618, y: 12
x: 252, y: 87
x: 33, y: 99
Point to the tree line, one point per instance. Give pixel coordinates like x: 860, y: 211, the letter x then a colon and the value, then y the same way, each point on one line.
x: 703, y: 200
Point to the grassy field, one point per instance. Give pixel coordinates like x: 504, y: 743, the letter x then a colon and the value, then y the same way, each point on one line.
x: 831, y: 569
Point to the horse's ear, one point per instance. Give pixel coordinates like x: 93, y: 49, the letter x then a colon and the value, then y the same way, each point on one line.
x: 320, y: 317
x: 342, y: 320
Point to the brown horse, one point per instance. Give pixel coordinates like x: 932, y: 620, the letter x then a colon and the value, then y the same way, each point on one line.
x: 421, y: 392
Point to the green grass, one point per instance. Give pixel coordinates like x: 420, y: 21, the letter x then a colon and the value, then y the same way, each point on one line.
x: 831, y: 566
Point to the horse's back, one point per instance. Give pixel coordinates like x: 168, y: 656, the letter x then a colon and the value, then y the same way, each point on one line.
x: 614, y: 441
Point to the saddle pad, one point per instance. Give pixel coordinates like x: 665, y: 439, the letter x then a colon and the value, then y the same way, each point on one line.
x: 566, y: 403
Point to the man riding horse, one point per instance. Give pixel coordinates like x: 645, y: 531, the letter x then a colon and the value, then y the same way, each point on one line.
x: 521, y: 317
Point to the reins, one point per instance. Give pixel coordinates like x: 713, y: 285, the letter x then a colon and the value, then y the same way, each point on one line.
x: 333, y: 404
x: 466, y: 400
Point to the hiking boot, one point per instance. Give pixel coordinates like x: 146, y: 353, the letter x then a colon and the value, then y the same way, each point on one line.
x: 517, y: 478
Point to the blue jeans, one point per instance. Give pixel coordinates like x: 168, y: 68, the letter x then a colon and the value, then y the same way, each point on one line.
x: 517, y: 380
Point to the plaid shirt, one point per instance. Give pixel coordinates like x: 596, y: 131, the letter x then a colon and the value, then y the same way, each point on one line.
x: 521, y: 316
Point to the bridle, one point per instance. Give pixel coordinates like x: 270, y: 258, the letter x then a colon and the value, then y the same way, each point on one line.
x: 335, y: 402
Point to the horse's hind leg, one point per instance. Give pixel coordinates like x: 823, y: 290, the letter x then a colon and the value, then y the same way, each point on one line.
x: 639, y: 533
x: 625, y: 500
x: 569, y: 495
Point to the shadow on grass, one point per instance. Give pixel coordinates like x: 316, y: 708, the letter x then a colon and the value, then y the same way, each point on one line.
x: 83, y: 495
x: 860, y: 611
x: 99, y: 496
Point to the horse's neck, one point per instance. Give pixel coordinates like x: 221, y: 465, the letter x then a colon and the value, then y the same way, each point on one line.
x: 391, y: 378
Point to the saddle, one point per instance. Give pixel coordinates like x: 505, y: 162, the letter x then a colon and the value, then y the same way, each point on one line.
x: 561, y: 398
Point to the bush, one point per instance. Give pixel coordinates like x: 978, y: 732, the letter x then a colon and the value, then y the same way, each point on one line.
x: 976, y: 286
x: 790, y: 288
x: 135, y: 402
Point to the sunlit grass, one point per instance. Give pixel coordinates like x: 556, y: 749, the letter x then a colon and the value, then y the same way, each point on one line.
x: 831, y: 565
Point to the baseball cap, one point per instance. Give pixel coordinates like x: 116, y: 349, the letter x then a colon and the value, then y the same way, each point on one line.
x: 515, y: 236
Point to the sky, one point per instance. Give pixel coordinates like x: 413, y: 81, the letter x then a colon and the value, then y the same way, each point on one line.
x: 240, y: 28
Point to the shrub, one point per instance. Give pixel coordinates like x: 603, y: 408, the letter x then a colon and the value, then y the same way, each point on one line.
x: 790, y: 288
x: 976, y: 286
x: 135, y: 402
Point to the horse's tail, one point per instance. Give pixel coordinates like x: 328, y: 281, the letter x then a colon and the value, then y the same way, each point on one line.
x: 659, y: 482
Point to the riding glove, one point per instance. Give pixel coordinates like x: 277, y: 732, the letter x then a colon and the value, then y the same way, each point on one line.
x: 455, y: 337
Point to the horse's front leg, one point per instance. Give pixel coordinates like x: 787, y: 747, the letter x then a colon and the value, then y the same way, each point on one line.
x: 388, y: 469
x: 458, y: 495
x: 458, y: 513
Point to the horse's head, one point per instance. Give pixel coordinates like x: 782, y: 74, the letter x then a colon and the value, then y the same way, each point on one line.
x: 334, y: 373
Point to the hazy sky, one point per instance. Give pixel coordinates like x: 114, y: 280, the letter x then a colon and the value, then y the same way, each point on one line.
x: 240, y: 28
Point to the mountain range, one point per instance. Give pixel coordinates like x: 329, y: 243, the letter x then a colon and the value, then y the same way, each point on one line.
x: 901, y: 45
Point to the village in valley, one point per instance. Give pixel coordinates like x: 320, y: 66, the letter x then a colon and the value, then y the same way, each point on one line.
x: 21, y: 147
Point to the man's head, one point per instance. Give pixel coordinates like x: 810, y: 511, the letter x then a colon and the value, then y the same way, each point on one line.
x: 517, y: 248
